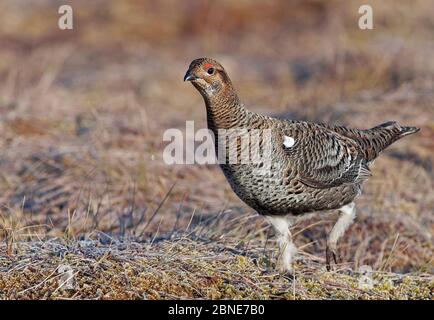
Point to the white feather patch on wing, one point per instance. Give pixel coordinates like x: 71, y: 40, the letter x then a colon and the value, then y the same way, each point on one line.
x: 288, y: 142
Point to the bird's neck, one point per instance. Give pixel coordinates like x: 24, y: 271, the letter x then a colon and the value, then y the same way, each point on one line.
x: 224, y: 110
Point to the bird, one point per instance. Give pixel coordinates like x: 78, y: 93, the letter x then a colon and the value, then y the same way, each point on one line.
x: 314, y: 167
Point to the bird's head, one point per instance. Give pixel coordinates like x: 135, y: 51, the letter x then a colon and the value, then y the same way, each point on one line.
x: 209, y: 78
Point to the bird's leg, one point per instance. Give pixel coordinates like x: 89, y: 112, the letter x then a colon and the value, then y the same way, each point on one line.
x: 287, y: 248
x: 348, y: 213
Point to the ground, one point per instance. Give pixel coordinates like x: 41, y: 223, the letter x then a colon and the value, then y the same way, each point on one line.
x: 83, y: 185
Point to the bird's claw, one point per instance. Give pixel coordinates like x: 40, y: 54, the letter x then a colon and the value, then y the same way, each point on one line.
x: 329, y: 254
x: 289, y: 275
x: 286, y: 272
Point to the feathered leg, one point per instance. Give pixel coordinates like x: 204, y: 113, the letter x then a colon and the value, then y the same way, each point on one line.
x: 348, y: 213
x: 286, y: 246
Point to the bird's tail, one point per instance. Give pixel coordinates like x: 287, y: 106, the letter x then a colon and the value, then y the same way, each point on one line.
x: 393, y: 129
x: 373, y: 141
x: 383, y: 135
x: 405, y: 131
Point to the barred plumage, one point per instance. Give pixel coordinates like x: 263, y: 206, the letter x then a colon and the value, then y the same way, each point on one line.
x: 314, y: 167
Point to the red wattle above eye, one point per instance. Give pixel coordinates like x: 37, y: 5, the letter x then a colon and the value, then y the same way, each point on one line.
x: 207, y: 66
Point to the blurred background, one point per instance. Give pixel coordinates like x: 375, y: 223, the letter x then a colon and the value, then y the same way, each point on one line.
x: 83, y: 111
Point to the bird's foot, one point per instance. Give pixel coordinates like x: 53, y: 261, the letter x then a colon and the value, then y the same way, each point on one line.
x: 286, y: 271
x: 289, y: 276
x: 331, y: 253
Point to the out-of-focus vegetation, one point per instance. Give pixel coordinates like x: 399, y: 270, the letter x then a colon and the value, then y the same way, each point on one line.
x: 82, y: 116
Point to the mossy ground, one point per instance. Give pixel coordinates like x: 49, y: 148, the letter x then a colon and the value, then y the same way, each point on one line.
x: 183, y: 268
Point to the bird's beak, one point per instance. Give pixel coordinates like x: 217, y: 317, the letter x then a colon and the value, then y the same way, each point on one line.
x: 189, y: 76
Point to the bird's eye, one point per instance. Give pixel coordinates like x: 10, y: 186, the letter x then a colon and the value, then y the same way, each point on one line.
x: 210, y: 71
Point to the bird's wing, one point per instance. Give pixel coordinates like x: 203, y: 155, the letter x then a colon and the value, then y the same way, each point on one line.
x: 323, y: 158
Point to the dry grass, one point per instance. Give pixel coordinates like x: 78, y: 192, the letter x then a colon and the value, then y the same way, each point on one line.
x: 185, y: 266
x: 82, y: 115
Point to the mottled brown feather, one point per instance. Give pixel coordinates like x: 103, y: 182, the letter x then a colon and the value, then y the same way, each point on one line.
x: 324, y: 169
